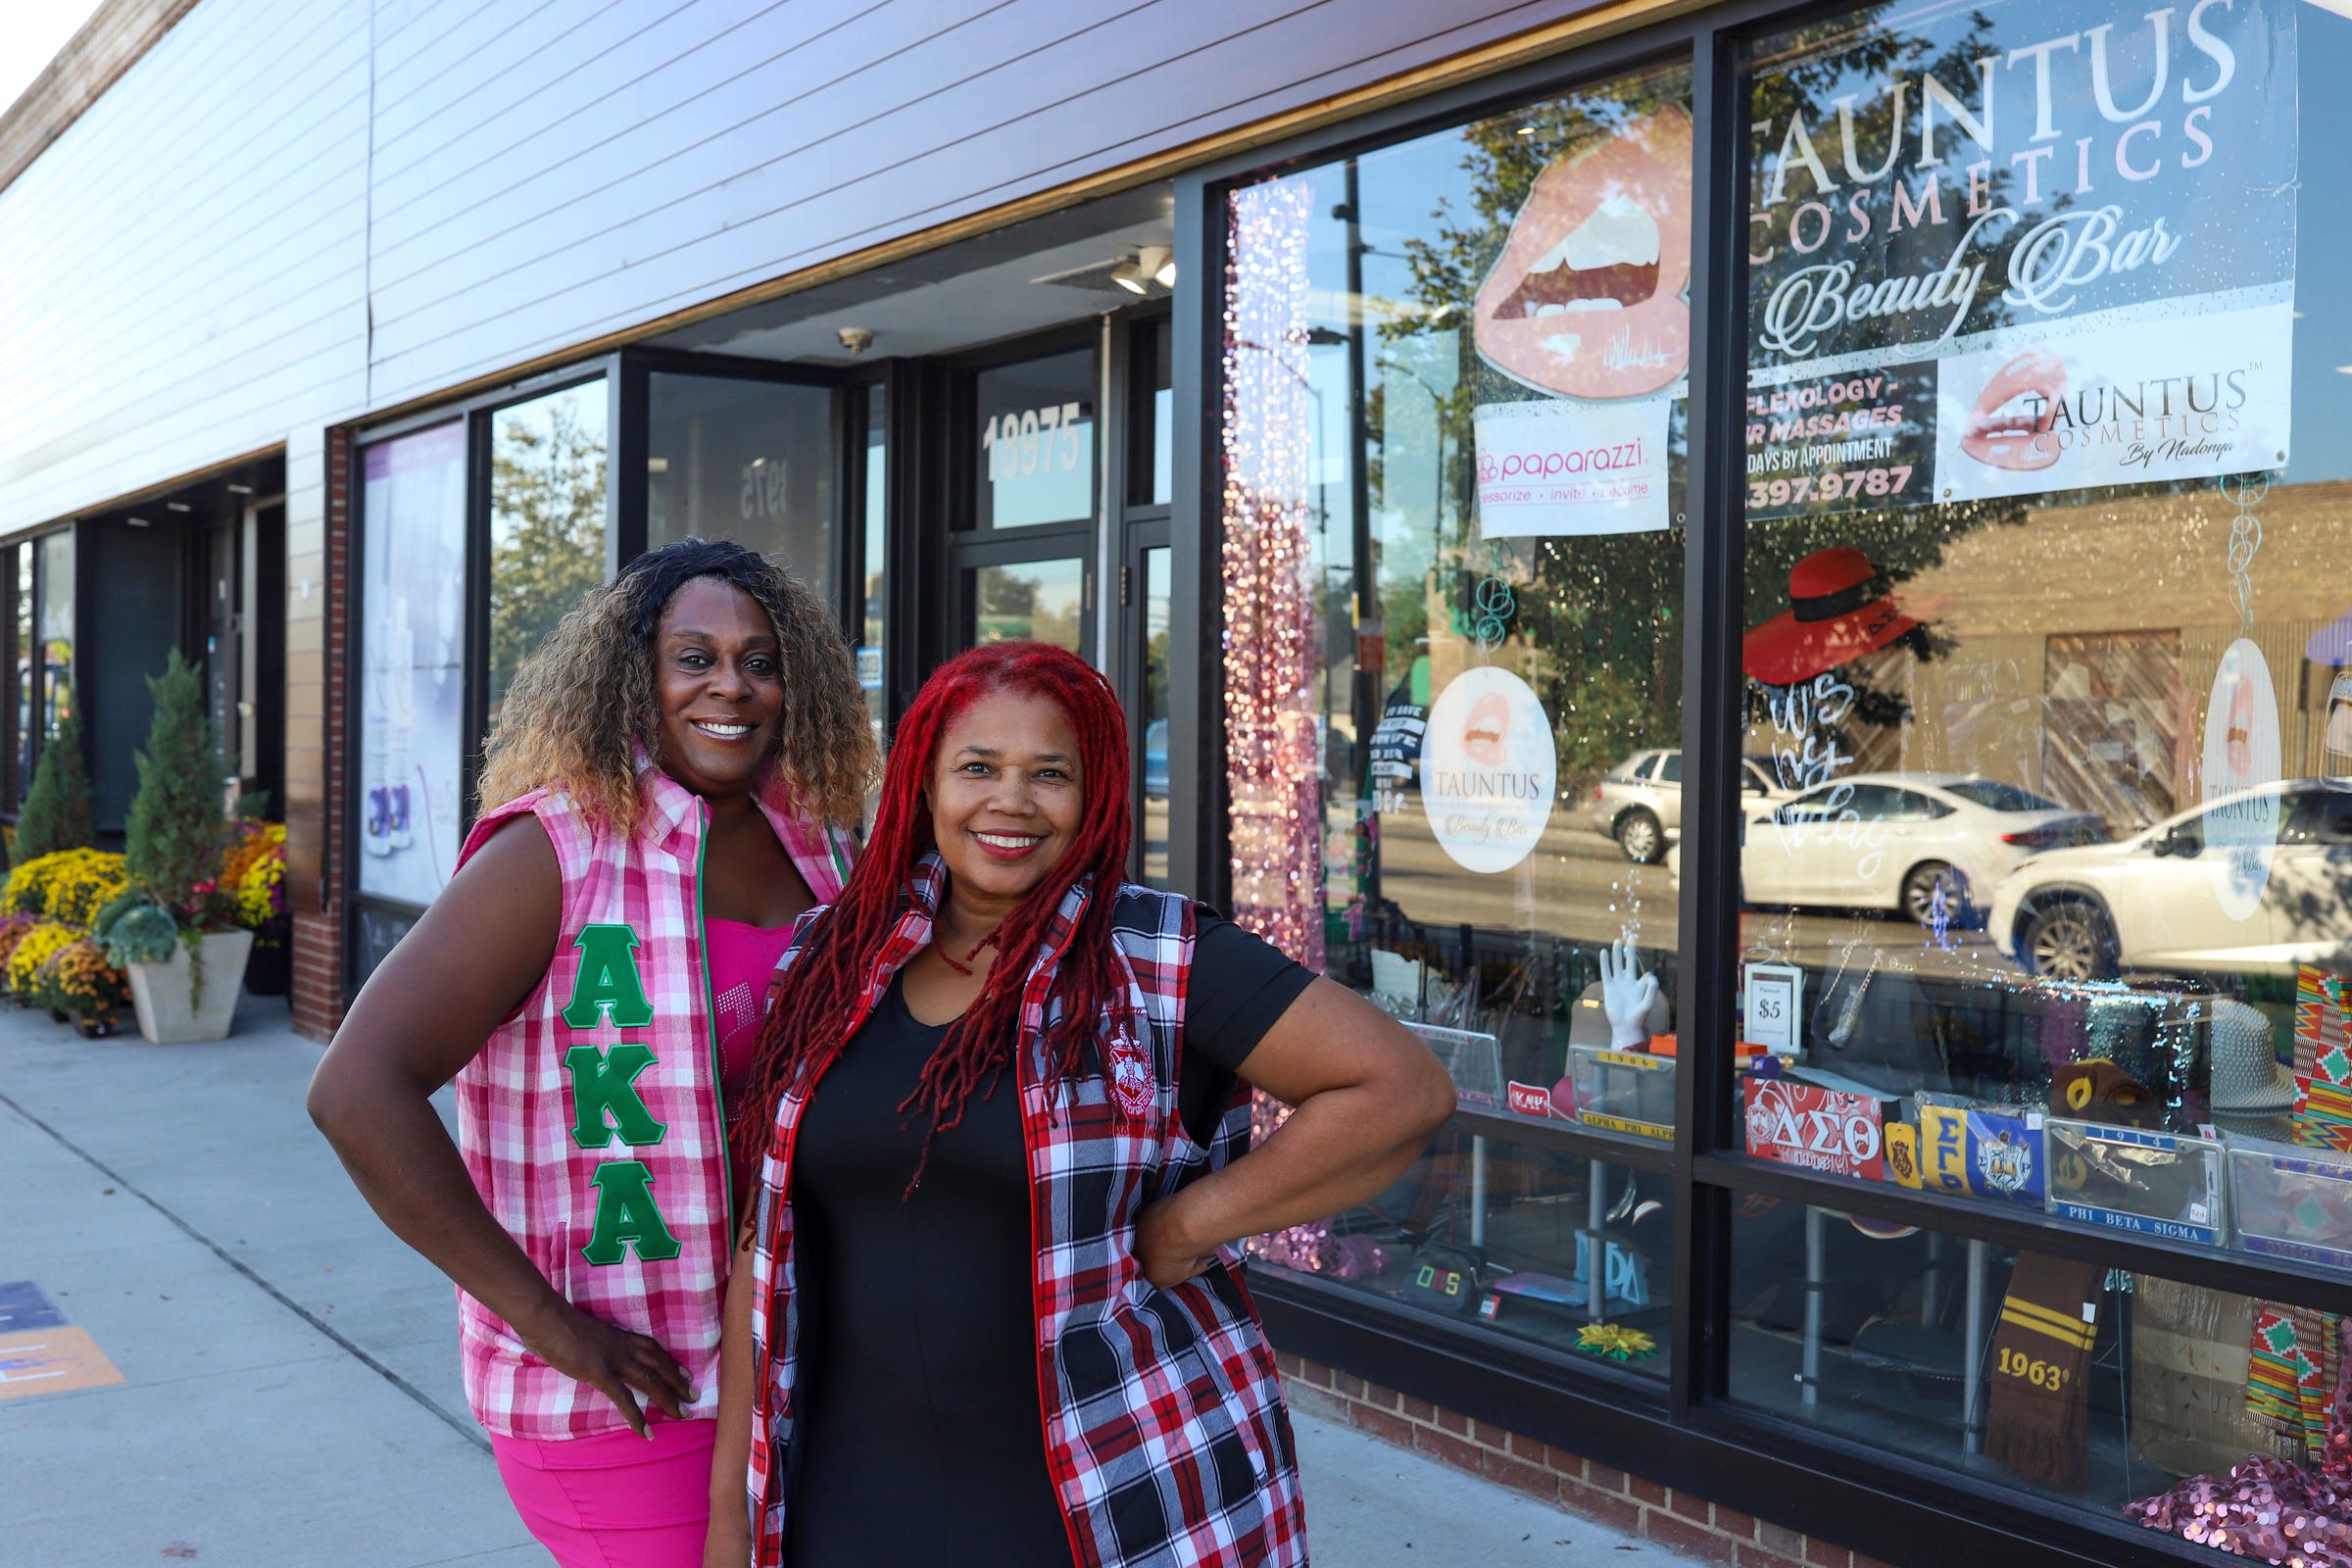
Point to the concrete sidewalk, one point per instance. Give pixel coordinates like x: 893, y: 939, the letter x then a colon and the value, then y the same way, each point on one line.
x: 289, y: 1390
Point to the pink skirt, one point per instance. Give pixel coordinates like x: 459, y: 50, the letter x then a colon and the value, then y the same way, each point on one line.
x: 615, y: 1501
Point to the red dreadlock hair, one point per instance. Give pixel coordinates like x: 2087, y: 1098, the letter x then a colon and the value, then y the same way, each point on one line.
x: 807, y: 1022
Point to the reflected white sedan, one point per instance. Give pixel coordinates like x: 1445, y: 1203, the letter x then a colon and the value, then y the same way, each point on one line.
x: 2161, y: 898
x: 1901, y: 842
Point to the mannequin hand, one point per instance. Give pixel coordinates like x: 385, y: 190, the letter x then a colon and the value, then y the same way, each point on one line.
x: 1626, y: 994
x: 1168, y: 1258
x: 611, y: 1360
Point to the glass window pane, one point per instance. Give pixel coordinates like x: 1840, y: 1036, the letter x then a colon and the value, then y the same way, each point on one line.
x: 547, y: 522
x: 26, y: 744
x: 747, y: 461
x: 2097, y: 1387
x: 1455, y: 371
x: 1157, y: 591
x: 57, y: 624
x: 413, y: 646
x: 1039, y: 601
x: 877, y: 557
x: 1151, y: 473
x: 1502, y: 1236
x: 2032, y: 587
x: 1033, y: 434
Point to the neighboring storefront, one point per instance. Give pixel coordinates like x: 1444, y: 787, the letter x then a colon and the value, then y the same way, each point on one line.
x: 1846, y: 507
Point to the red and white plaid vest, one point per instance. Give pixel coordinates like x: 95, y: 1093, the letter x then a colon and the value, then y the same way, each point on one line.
x: 591, y: 1121
x: 1165, y: 1430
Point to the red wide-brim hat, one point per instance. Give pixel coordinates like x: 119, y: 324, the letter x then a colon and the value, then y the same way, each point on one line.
x: 1840, y: 609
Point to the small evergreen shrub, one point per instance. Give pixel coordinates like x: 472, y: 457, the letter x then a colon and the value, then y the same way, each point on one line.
x: 178, y: 829
x: 57, y: 810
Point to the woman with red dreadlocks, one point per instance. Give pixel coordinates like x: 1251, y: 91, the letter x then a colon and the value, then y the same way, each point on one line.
x: 988, y: 1310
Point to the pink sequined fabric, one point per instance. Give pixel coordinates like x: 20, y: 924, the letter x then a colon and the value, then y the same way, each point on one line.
x: 2268, y: 1508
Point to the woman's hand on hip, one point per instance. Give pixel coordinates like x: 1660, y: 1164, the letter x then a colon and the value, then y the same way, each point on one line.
x: 1167, y: 1254
x: 611, y: 1360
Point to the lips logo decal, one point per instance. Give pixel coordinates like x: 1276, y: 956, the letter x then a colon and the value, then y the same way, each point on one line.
x: 1586, y: 298
x: 1486, y: 730
x: 2010, y: 426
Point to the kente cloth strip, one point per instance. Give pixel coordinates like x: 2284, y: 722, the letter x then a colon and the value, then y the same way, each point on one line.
x: 2038, y: 1413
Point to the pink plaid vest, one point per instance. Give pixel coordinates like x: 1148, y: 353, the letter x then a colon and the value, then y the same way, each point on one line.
x: 591, y: 1121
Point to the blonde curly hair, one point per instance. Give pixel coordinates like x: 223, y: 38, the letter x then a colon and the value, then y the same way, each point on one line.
x: 581, y: 705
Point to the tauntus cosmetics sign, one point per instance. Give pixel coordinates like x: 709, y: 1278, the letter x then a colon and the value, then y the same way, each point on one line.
x: 2008, y: 217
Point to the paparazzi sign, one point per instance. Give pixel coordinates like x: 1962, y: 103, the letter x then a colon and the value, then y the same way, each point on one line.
x: 1553, y: 467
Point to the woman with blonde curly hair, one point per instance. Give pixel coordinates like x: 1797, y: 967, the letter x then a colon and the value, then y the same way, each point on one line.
x: 667, y: 790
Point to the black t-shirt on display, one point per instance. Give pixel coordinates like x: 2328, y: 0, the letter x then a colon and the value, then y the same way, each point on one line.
x: 920, y: 1439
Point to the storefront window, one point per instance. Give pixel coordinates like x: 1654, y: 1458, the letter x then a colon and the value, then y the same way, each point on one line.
x: 1456, y: 375
x: 1033, y: 452
x: 747, y: 461
x: 411, y: 683
x: 2048, y: 839
x: 547, y: 522
x: 876, y: 522
x: 1157, y: 603
x: 57, y: 626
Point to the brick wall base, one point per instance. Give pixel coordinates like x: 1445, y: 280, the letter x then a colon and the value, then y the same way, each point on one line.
x: 1679, y: 1521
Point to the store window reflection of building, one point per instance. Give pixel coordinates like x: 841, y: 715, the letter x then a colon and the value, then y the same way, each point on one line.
x: 2049, y: 882
x: 876, y: 527
x: 548, y: 483
x: 1452, y: 564
x: 747, y: 461
x: 1038, y: 601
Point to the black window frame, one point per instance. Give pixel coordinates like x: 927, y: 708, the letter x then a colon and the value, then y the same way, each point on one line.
x: 1685, y: 1434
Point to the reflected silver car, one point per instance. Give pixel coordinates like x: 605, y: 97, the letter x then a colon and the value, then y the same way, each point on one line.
x: 1638, y: 803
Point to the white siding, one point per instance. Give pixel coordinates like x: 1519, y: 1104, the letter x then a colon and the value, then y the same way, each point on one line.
x: 532, y: 193
x: 187, y: 265
x: 291, y: 211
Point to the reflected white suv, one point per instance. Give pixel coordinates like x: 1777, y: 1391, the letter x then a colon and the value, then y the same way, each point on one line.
x: 2154, y: 900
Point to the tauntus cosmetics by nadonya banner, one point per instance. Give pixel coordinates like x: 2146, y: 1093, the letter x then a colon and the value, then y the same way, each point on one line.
x: 2060, y: 260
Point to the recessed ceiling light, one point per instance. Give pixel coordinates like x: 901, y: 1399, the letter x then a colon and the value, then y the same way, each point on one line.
x: 178, y: 505
x: 1527, y: 131
x: 240, y: 489
x: 136, y: 522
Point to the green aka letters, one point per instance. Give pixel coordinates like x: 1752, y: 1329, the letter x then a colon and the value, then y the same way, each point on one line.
x: 605, y: 1101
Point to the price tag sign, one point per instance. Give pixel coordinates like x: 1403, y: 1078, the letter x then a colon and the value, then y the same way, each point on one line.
x: 1773, y: 993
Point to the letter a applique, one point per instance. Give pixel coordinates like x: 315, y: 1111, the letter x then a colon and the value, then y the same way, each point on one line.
x: 607, y: 981
x: 626, y: 1216
x: 604, y: 1095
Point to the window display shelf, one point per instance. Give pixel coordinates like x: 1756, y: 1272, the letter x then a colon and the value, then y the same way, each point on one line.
x: 1567, y: 1138
x: 2218, y: 1268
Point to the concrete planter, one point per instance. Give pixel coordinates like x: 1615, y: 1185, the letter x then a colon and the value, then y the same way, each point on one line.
x: 158, y: 992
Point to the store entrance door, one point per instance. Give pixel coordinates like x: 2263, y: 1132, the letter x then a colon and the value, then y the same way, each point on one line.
x: 1025, y: 422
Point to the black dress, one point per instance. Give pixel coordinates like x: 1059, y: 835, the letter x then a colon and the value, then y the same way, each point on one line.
x: 920, y: 1437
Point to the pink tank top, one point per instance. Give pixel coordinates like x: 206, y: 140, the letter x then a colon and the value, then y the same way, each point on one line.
x: 741, y: 958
